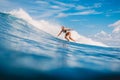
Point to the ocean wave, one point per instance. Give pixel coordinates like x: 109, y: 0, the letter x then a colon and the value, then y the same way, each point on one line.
x: 52, y: 28
x: 29, y: 51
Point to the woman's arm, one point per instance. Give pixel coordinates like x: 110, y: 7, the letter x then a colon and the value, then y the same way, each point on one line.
x: 68, y: 29
x: 59, y: 33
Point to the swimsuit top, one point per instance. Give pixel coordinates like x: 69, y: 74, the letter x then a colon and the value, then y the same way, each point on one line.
x: 65, y: 31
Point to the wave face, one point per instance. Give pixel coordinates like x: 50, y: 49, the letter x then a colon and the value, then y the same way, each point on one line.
x: 53, y: 28
x: 27, y: 53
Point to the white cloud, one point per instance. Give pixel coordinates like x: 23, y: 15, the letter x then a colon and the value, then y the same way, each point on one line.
x: 112, y: 39
x: 41, y: 2
x: 54, y: 12
x: 116, y: 26
x: 57, y: 9
x: 63, y: 4
x: 61, y: 15
x: 87, y: 12
x: 81, y: 7
x: 60, y: 3
x: 111, y: 12
x: 103, y: 35
x: 76, y: 20
x: 97, y: 5
x: 52, y: 8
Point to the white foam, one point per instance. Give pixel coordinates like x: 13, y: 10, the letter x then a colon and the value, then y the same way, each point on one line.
x: 52, y: 28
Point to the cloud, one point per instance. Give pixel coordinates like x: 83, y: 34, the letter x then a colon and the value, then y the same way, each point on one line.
x: 61, y: 15
x: 41, y: 2
x: 60, y: 9
x: 97, y: 5
x: 103, y: 35
x: 60, y: 3
x: 116, y: 26
x: 48, y: 9
x: 86, y: 12
x: 81, y: 7
x: 63, y: 4
x: 112, y: 39
x: 55, y: 8
x: 76, y: 20
x: 111, y: 12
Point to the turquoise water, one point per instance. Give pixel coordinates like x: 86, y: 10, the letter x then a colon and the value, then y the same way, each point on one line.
x: 27, y: 53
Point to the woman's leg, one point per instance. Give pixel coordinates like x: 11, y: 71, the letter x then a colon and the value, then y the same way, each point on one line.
x: 66, y: 36
x: 70, y: 37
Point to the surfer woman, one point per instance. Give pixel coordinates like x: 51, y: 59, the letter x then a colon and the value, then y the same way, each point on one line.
x: 67, y: 33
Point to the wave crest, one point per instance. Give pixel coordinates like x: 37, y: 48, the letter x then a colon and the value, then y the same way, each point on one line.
x: 52, y: 28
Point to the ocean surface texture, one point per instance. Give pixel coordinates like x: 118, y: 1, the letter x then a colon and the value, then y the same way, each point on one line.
x: 27, y: 53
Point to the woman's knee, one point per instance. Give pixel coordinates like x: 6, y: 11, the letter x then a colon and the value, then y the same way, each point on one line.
x: 65, y: 37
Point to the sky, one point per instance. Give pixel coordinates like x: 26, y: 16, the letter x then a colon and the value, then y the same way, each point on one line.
x: 87, y: 17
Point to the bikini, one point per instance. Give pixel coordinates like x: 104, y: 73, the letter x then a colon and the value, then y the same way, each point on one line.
x: 65, y: 31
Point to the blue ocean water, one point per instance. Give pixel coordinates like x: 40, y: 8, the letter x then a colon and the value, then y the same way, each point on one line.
x: 27, y: 53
